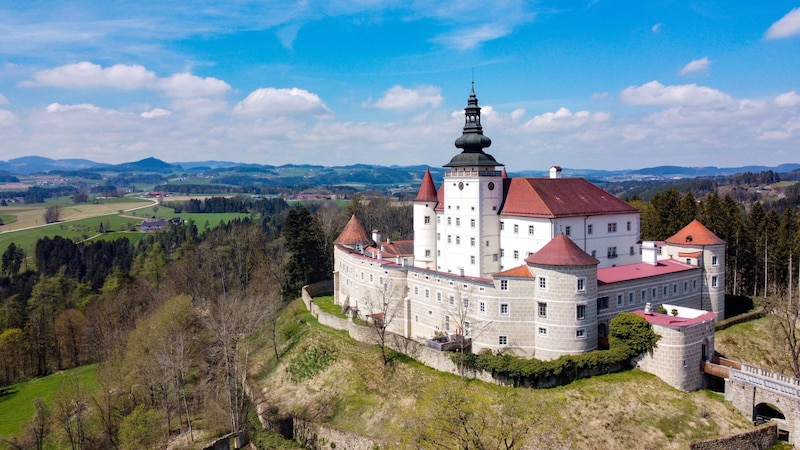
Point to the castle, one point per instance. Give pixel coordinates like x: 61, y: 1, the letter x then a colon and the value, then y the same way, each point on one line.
x: 532, y: 266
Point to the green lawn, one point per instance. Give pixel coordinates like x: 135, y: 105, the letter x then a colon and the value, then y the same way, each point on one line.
x: 202, y: 220
x: 16, y: 401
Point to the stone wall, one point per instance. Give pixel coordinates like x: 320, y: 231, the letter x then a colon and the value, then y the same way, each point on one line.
x: 440, y: 361
x: 760, y: 438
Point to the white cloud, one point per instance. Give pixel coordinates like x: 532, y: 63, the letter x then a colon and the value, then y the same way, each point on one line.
x: 83, y: 107
x: 564, y: 119
x: 656, y: 94
x: 188, y: 85
x: 7, y: 118
x: 467, y: 38
x: 398, y: 97
x: 698, y: 65
x: 600, y: 96
x: 281, y: 101
x: 788, y: 99
x: 156, y: 112
x: 788, y: 25
x: 86, y: 74
x: 3, y: 100
x: 656, y: 28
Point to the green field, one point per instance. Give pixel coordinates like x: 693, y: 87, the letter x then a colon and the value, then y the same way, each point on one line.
x: 16, y: 401
x: 200, y: 219
x: 80, y: 229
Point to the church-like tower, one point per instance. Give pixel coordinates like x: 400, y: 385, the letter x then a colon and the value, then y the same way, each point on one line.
x: 468, y: 225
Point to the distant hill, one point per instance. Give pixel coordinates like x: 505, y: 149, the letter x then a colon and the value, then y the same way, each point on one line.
x: 289, y: 174
x: 27, y: 165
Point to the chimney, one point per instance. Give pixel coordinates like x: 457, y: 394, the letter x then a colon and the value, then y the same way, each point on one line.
x: 555, y: 172
x: 650, y: 253
x: 376, y: 236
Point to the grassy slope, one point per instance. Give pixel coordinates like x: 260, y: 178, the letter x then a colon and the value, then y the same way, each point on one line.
x: 755, y: 342
x: 16, y: 401
x: 356, y: 393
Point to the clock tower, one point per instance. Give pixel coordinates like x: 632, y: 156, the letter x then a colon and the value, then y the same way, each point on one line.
x: 468, y: 223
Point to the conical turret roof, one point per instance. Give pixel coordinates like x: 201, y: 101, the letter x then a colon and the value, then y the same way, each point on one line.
x: 561, y: 251
x: 695, y: 234
x: 427, y: 190
x: 353, y: 234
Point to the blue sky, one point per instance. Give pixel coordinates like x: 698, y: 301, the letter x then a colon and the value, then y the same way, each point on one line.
x: 580, y: 84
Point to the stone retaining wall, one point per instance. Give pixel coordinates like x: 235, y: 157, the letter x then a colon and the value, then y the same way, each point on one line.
x: 440, y: 361
x: 760, y: 438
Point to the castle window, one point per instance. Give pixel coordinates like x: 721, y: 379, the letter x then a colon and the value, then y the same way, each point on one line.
x: 628, y: 226
x: 449, y: 238
x: 449, y: 220
x: 612, y: 227
x: 594, y: 253
x: 688, y: 261
x: 466, y: 328
x: 416, y: 290
x: 446, y: 323
x: 438, y: 236
x: 530, y: 229
x: 452, y: 300
x: 370, y: 278
x: 580, y: 334
x: 494, y: 257
x: 714, y: 281
x: 666, y: 292
x: 568, y: 230
x: 516, y: 254
x: 427, y: 220
x: 694, y: 285
x: 438, y: 297
x: 516, y: 229
x: 458, y: 240
x: 472, y: 242
x: 438, y: 219
x: 714, y: 260
x: 502, y: 340
x: 685, y: 286
x: 644, y: 296
x: 581, y: 284
x: 458, y: 221
x: 416, y: 318
x: 675, y: 288
x: 504, y: 309
x: 502, y: 225
x: 612, y: 252
x: 620, y: 300
x: 472, y: 223
x: 589, y: 229
x: 542, y: 309
x: 631, y: 299
x: 482, y: 307
x: 654, y: 294
x: 580, y: 312
x: 472, y: 260
x: 631, y: 250
x: 503, y: 285
x: 502, y: 252
x: 542, y: 331
x: 465, y: 304
x: 542, y: 283
x: 602, y: 303
x: 427, y: 253
x: 427, y: 293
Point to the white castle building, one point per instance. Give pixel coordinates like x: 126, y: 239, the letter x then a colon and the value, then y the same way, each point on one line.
x: 532, y: 266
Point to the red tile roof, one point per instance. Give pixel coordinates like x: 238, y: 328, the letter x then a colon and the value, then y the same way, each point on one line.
x: 668, y: 320
x: 353, y: 234
x: 440, y: 199
x: 695, y: 234
x: 427, y: 190
x: 560, y: 197
x: 517, y: 272
x: 561, y: 251
x: 392, y: 249
x: 641, y: 270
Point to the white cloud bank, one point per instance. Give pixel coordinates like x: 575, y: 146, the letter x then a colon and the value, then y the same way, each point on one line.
x: 787, y: 26
x: 400, y: 98
x: 281, y: 101
x: 654, y: 93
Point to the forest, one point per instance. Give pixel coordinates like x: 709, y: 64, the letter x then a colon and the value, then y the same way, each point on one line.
x: 168, y: 320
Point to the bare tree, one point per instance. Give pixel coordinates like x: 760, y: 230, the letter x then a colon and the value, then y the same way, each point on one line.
x: 466, y: 326
x: 786, y: 313
x: 382, y: 305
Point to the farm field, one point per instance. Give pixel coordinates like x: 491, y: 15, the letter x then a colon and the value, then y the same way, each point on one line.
x: 16, y: 401
x: 33, y: 215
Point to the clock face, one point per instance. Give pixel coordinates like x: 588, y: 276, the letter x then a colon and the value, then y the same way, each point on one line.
x: 491, y: 186
x: 461, y: 186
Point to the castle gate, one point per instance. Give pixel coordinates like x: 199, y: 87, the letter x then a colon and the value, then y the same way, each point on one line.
x: 764, y: 396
